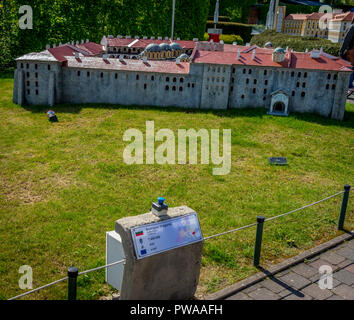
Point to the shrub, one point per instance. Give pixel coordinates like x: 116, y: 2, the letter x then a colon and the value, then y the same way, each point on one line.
x: 227, y: 38
x: 241, y: 29
x: 296, y: 43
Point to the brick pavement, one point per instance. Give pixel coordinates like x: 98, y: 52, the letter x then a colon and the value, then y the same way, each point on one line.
x: 301, y: 282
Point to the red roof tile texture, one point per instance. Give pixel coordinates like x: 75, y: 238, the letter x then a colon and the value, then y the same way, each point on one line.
x: 128, y: 65
x: 142, y: 43
x: 263, y: 58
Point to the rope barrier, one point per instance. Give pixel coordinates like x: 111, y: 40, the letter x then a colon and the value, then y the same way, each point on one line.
x: 66, y: 278
x: 233, y: 230
x: 275, y: 217
x: 39, y: 288
x: 206, y: 238
x: 102, y: 267
x: 304, y: 207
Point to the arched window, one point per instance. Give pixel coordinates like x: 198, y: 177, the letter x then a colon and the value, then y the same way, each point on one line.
x: 303, y: 94
x: 166, y: 88
x: 137, y: 77
x: 167, y: 79
x: 247, y: 80
x: 181, y: 80
x: 329, y: 76
x: 180, y: 88
x: 255, y: 81
x: 174, y: 88
x: 174, y: 79
x: 244, y: 71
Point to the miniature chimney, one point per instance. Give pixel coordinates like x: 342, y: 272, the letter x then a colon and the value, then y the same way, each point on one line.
x: 82, y: 41
x: 54, y: 45
x: 121, y: 59
x: 136, y: 37
x: 72, y: 43
x: 254, y: 54
x: 307, y: 50
x: 152, y: 38
x: 178, y: 61
x: 77, y: 55
x: 105, y: 56
x: 238, y: 53
x: 119, y: 37
x: 166, y: 38
x: 195, y: 39
x: 287, y: 49
x: 234, y: 43
x: 178, y: 39
x: 160, y: 38
x: 128, y: 37
x: 47, y: 46
x: 87, y: 40
x: 321, y: 50
x: 60, y: 44
x: 221, y: 41
x: 77, y: 41
x: 145, y: 59
x: 145, y: 37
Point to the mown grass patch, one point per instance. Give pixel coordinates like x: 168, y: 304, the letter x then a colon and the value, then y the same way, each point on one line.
x: 63, y: 185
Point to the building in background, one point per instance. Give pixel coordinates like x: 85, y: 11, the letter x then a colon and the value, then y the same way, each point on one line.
x: 215, y: 76
x: 319, y: 25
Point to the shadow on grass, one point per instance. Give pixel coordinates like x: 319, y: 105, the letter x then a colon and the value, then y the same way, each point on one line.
x: 260, y: 113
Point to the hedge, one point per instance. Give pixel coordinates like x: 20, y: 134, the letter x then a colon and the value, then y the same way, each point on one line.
x: 296, y: 43
x: 241, y: 29
x: 63, y: 21
x: 228, y: 38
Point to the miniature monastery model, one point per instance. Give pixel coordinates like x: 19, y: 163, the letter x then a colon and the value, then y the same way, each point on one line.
x: 188, y: 74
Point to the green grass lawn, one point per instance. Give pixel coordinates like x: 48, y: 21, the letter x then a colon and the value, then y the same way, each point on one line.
x: 63, y: 185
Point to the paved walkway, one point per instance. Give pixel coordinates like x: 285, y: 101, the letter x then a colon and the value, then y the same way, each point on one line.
x: 300, y: 282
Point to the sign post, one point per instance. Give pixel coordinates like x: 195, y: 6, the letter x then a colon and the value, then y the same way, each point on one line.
x: 163, y: 254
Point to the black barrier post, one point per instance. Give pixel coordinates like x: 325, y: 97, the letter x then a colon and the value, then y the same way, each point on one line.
x: 72, y: 282
x: 343, y: 208
x: 258, y: 243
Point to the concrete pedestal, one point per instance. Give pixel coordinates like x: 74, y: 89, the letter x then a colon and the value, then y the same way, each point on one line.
x: 169, y: 275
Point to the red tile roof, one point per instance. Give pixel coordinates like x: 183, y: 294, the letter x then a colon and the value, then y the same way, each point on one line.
x: 61, y: 52
x: 142, y: 43
x: 315, y: 16
x: 296, y: 16
x: 159, y: 66
x: 348, y: 16
x: 263, y: 58
x: 92, y: 48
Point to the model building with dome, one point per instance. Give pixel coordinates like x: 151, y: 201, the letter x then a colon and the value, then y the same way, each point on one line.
x: 187, y: 74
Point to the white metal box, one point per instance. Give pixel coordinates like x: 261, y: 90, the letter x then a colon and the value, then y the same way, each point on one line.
x: 114, y: 252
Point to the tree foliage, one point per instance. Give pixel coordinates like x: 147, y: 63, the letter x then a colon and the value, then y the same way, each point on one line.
x: 296, y: 43
x: 68, y: 20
